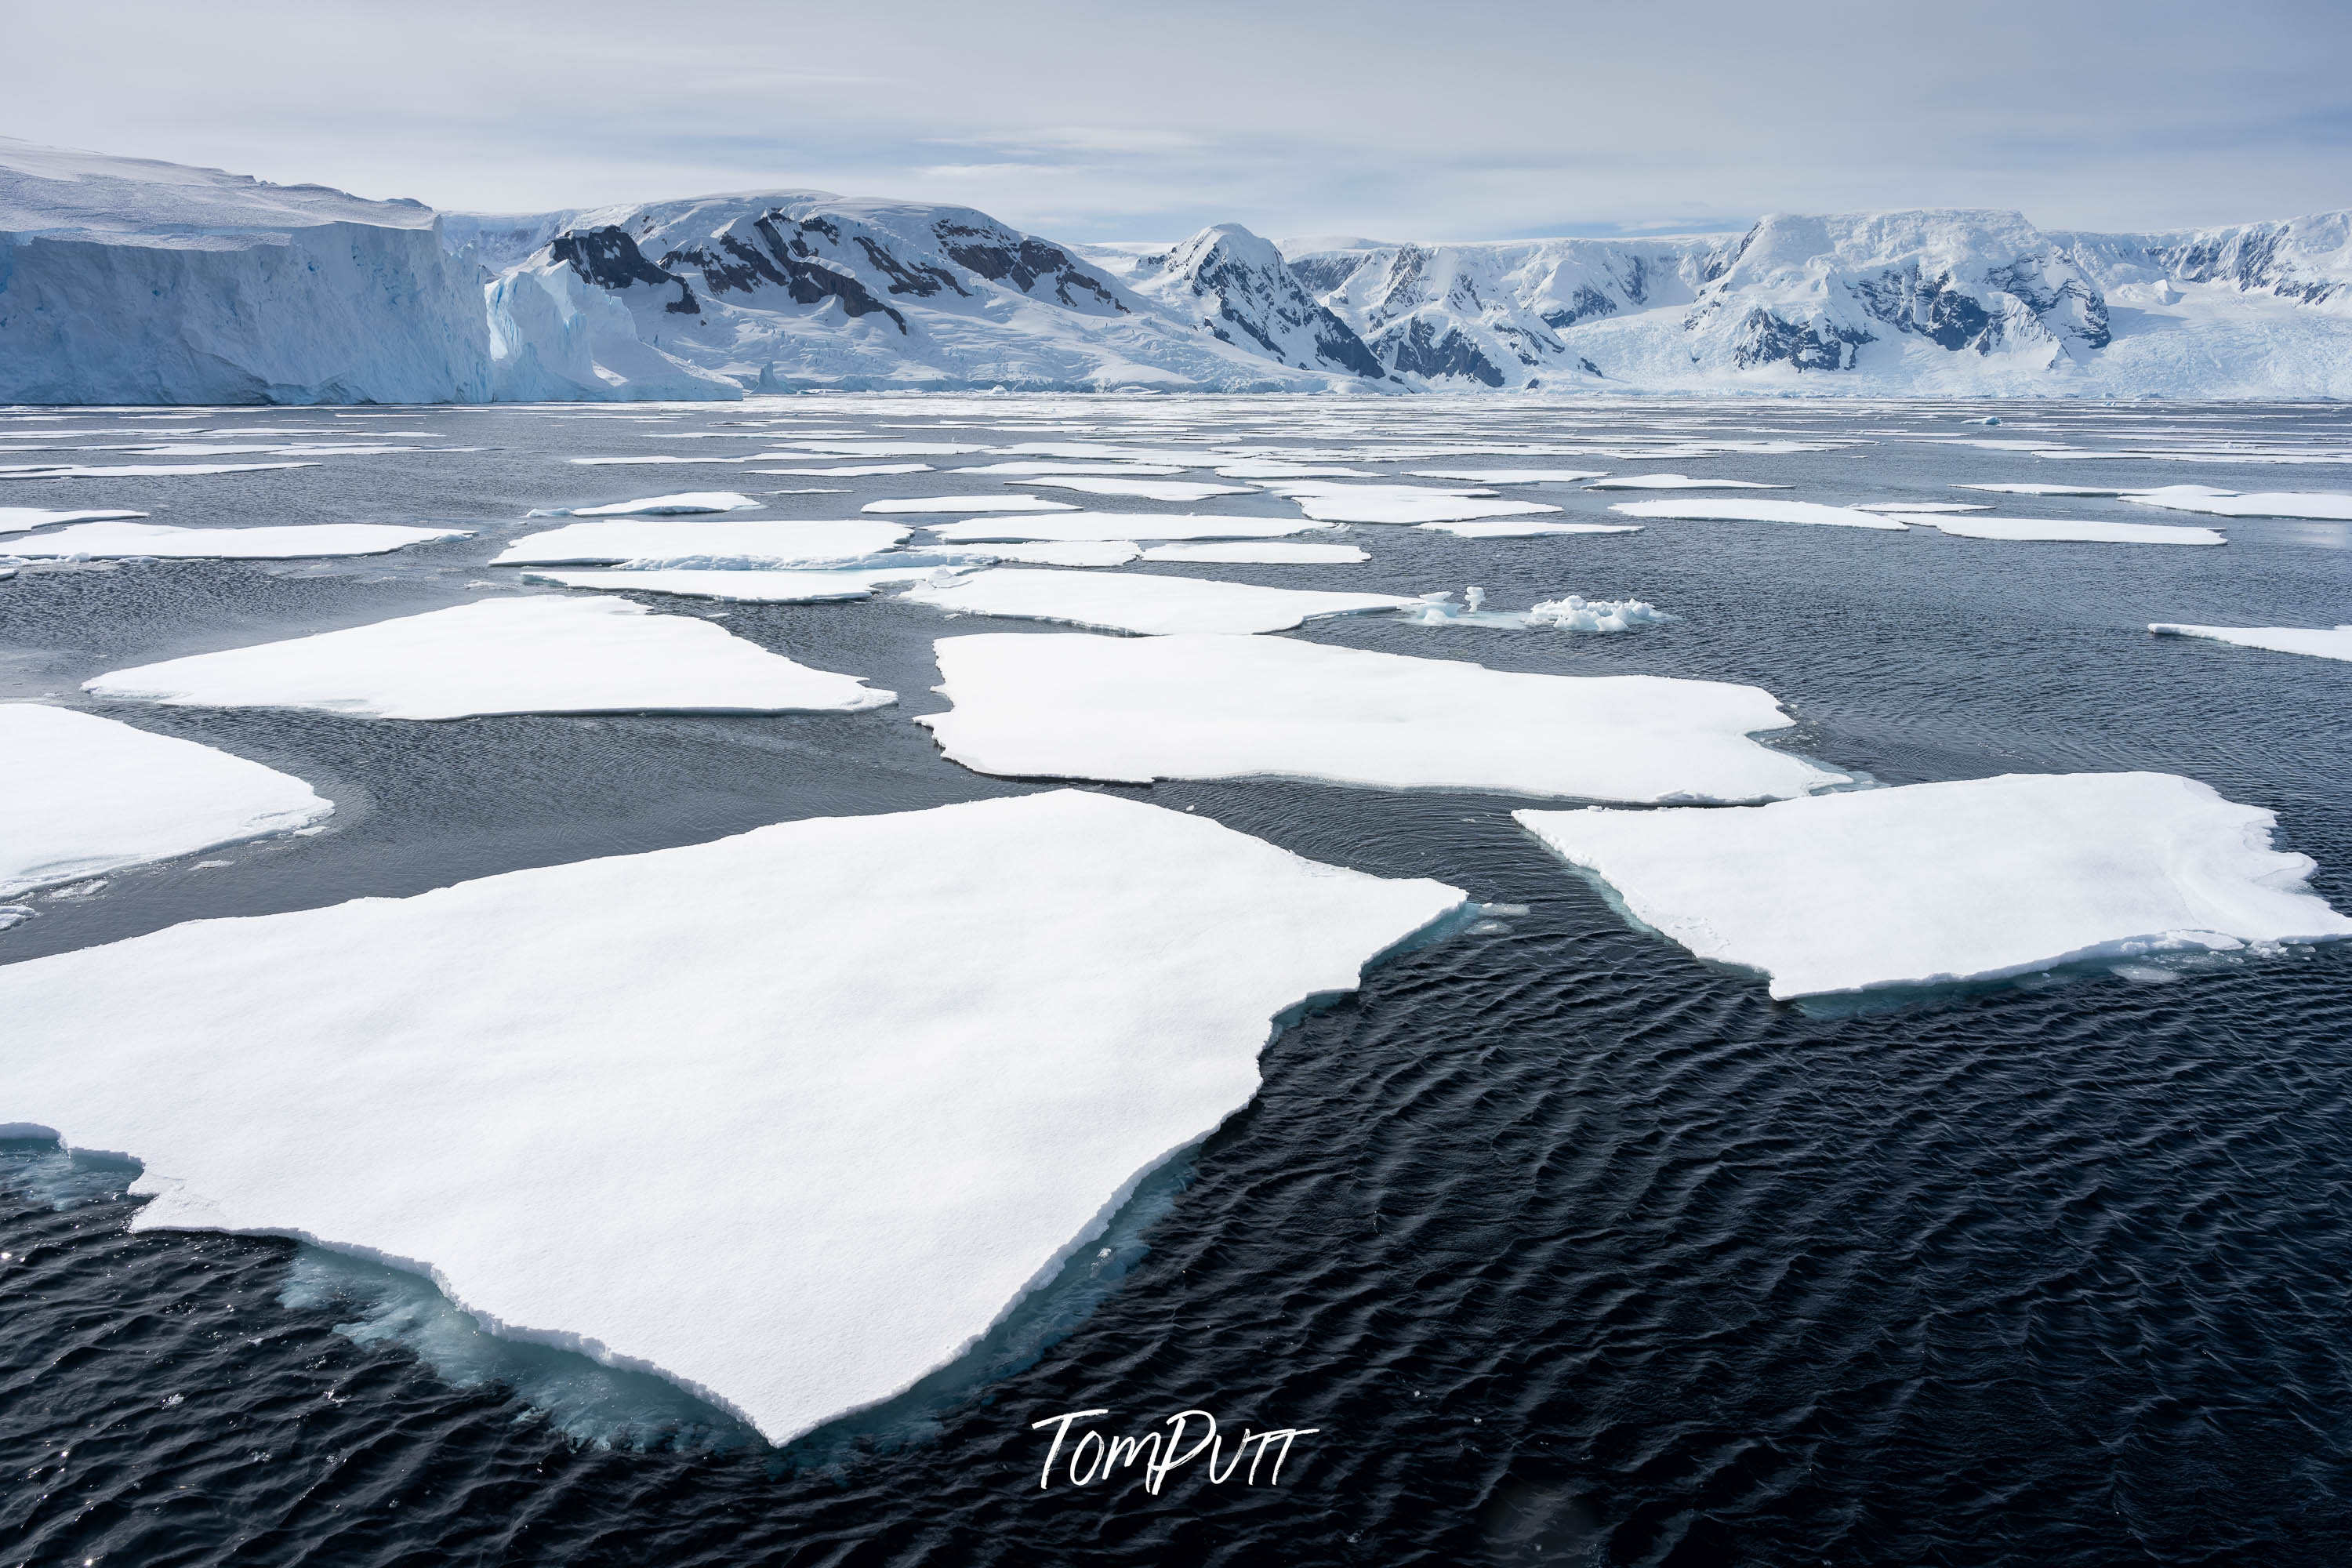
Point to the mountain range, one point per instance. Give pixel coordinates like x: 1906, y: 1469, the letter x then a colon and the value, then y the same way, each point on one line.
x: 128, y: 280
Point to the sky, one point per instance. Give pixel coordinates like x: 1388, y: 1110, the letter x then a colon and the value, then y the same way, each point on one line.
x: 1474, y: 120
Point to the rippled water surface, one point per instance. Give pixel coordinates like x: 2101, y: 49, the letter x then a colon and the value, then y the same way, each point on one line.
x: 1569, y: 1247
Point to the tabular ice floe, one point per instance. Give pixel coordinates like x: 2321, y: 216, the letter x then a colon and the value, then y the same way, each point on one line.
x: 1396, y: 503
x: 16, y: 518
x: 2333, y: 506
x: 1679, y: 482
x: 652, y: 541
x: 141, y: 470
x: 758, y: 587
x: 1151, y: 605
x: 703, y: 1116
x: 1142, y: 490
x: 1934, y: 883
x: 1510, y: 529
x: 1203, y: 707
x: 1071, y: 527
x: 545, y: 654
x: 966, y: 503
x: 1512, y: 476
x: 2062, y: 531
x: 266, y: 543
x: 83, y: 794
x: 683, y: 504
x: 1756, y: 512
x: 2319, y: 642
x: 1267, y: 552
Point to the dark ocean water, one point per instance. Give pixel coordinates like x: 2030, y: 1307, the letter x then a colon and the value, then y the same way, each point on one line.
x: 1569, y: 1247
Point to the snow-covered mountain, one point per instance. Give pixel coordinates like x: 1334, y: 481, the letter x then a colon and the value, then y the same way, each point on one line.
x: 128, y: 280
x: 125, y: 280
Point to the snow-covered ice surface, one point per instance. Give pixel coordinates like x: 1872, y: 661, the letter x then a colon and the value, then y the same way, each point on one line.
x: 80, y: 795
x: 2330, y: 505
x: 875, y: 1075
x: 2319, y: 642
x: 1332, y: 502
x: 1067, y: 553
x: 1679, y: 482
x: 656, y: 543
x: 268, y: 542
x: 1935, y: 883
x: 1141, y: 490
x: 1148, y: 605
x: 543, y: 654
x: 758, y: 587
x: 2056, y: 529
x: 1509, y: 476
x: 685, y: 503
x: 1205, y: 706
x: 16, y: 518
x: 139, y: 470
x: 1756, y: 512
x: 1526, y: 529
x: 1267, y: 552
x: 967, y: 504
x: 1114, y: 525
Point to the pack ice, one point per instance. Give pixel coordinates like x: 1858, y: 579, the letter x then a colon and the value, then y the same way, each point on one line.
x: 1205, y: 706
x: 1935, y: 883
x: 271, y: 542
x: 654, y: 541
x: 1756, y: 512
x: 1077, y: 526
x: 1270, y: 553
x: 750, y: 587
x: 1147, y: 606
x: 2326, y: 505
x: 1328, y: 503
x: 1679, y: 482
x: 544, y: 654
x: 83, y: 794
x: 840, y: 1166
x: 2064, y: 531
x: 2319, y: 642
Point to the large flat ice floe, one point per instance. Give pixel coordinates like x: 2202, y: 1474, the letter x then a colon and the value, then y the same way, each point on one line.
x: 16, y: 518
x: 1511, y: 476
x: 1077, y: 526
x: 1149, y: 605
x: 2334, y: 506
x: 966, y: 503
x: 1679, y: 482
x: 274, y: 543
x: 1756, y: 512
x: 1396, y: 503
x: 2319, y: 642
x: 745, y: 587
x: 140, y: 470
x: 1264, y: 553
x: 1942, y: 882
x: 2063, y: 530
x: 545, y: 654
x: 81, y: 795
x: 1203, y: 707
x: 652, y: 541
x: 702, y: 1115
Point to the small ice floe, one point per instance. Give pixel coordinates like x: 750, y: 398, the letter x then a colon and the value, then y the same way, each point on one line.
x: 286, y: 542
x: 1931, y: 884
x: 1512, y: 476
x: 1132, y: 709
x: 1141, y: 490
x: 649, y: 542
x: 1396, y: 503
x: 16, y: 518
x: 2330, y: 506
x: 759, y: 587
x: 872, y: 1076
x: 2319, y: 642
x: 1919, y: 507
x: 542, y: 653
x: 966, y: 503
x: 1266, y: 552
x: 1527, y: 530
x: 688, y: 502
x: 2063, y: 531
x: 141, y: 470
x: 1679, y: 482
x: 853, y: 471
x: 1757, y: 511
x: 12, y: 915
x: 1151, y: 605
x: 82, y: 794
x: 2027, y: 490
x: 1078, y: 526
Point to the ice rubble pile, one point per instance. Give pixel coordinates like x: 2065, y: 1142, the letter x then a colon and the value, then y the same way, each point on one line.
x: 1942, y: 882
x: 723, y: 1053
x: 82, y: 794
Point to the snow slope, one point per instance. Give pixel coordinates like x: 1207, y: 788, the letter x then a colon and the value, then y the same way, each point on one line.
x: 127, y: 280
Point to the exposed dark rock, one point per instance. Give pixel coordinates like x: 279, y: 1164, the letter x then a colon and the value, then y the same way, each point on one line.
x: 1415, y: 349
x: 1583, y: 305
x: 1766, y: 339
x: 728, y: 264
x: 609, y: 259
x: 1002, y: 256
